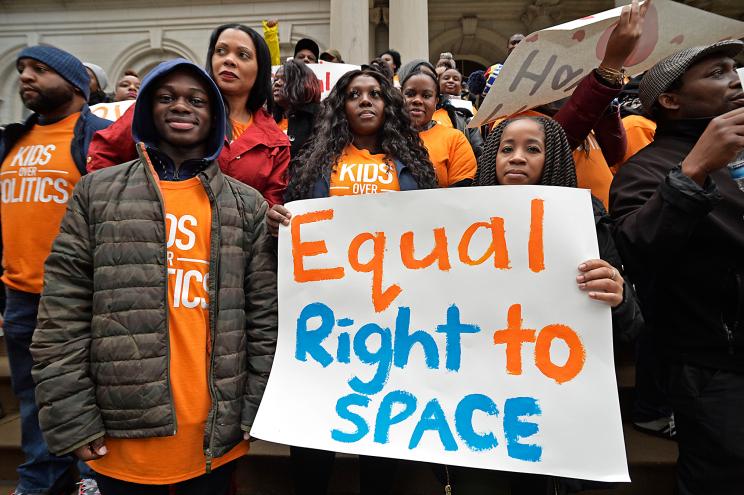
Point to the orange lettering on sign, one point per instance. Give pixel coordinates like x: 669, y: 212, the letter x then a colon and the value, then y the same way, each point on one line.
x: 514, y: 336
x: 535, y: 244
x: 576, y: 355
x: 497, y: 248
x: 311, y: 248
x: 381, y: 299
x: 438, y: 253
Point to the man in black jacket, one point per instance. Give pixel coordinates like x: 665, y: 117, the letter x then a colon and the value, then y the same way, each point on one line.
x: 680, y: 230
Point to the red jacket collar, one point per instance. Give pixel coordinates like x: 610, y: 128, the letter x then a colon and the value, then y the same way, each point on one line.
x: 262, y: 132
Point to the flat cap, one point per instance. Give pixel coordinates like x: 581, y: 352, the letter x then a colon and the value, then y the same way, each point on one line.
x: 659, y: 77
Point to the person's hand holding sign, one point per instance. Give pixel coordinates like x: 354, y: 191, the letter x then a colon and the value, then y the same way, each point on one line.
x: 277, y: 215
x: 623, y: 41
x: 602, y: 281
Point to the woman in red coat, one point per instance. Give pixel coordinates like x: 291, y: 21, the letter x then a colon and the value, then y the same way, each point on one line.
x: 256, y: 151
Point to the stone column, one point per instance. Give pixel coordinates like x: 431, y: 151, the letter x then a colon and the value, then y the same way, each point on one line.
x: 409, y: 28
x: 350, y: 30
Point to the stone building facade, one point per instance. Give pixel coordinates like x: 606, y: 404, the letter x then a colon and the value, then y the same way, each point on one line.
x: 138, y: 34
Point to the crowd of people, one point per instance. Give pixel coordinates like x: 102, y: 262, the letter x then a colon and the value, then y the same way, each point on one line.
x: 140, y: 301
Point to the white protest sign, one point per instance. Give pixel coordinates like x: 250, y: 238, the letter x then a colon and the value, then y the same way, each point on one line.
x: 327, y: 73
x: 549, y: 63
x: 112, y: 111
x: 457, y: 336
x: 466, y: 104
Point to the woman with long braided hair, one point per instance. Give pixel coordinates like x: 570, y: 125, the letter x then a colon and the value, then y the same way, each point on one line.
x: 557, y: 168
x: 535, y: 151
x: 363, y: 143
x: 363, y: 121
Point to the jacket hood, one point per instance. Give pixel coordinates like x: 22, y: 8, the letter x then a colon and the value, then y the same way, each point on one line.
x: 143, y: 129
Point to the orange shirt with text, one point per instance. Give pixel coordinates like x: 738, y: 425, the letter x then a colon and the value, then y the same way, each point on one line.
x: 451, y: 154
x: 36, y: 179
x: 167, y: 460
x: 360, y: 172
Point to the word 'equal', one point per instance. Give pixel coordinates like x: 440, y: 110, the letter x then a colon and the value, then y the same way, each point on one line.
x: 439, y: 255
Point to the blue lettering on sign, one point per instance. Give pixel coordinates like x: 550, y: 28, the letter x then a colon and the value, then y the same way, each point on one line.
x: 515, y: 428
x: 464, y: 421
x: 433, y: 419
x: 386, y: 419
x: 382, y: 348
x: 394, y: 349
x: 382, y: 358
x: 342, y: 409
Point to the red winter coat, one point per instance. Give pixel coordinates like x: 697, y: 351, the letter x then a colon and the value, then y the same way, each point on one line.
x: 259, y: 157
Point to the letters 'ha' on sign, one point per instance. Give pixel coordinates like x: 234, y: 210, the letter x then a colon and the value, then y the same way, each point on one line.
x: 550, y: 63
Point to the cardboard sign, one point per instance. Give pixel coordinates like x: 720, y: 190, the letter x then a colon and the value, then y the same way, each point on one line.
x: 550, y: 63
x: 112, y: 111
x: 457, y: 336
x: 327, y: 73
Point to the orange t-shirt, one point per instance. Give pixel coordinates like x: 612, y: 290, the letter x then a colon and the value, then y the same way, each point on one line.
x: 166, y: 460
x: 640, y: 133
x: 36, y: 180
x: 239, y: 128
x: 441, y: 117
x: 451, y: 154
x: 283, y: 125
x: 592, y: 171
x: 360, y: 172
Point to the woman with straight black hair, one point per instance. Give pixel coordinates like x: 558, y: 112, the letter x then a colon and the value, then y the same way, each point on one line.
x: 296, y: 91
x: 256, y: 151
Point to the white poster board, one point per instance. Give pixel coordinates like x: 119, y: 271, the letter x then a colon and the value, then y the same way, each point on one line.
x: 327, y: 73
x: 548, y: 64
x: 406, y: 356
x: 112, y: 111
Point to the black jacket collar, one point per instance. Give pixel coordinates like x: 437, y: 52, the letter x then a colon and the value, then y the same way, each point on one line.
x: 687, y: 129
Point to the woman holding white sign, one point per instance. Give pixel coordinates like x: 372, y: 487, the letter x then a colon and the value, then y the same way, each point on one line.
x: 535, y: 151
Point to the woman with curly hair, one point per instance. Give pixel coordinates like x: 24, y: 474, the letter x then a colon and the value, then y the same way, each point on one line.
x: 296, y: 92
x: 449, y: 150
x: 363, y: 143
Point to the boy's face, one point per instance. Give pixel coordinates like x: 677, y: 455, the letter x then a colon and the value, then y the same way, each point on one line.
x: 181, y: 110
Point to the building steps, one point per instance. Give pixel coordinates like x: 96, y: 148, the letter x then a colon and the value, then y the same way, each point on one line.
x: 266, y: 470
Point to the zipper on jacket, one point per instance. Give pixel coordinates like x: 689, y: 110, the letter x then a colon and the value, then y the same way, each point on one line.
x: 214, y: 262
x: 730, y: 337
x: 151, y: 170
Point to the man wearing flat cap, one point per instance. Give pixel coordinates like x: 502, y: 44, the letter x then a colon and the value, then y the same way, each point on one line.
x: 680, y: 229
x: 42, y: 160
